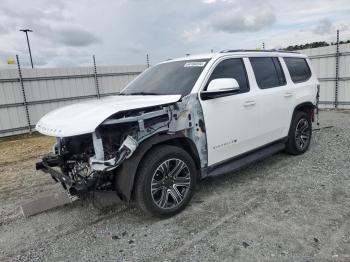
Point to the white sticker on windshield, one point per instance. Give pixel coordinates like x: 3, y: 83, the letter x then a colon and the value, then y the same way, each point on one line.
x: 195, y: 64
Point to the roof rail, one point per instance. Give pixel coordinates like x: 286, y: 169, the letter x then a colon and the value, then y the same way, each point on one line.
x: 253, y: 50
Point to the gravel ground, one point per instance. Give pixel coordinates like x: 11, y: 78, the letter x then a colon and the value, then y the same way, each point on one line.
x: 285, y: 208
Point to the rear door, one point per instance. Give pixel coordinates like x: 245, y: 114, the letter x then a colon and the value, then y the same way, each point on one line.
x: 274, y: 96
x: 304, y: 83
x: 232, y: 121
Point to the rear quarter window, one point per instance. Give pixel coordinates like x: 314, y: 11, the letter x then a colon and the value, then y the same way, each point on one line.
x: 298, y: 69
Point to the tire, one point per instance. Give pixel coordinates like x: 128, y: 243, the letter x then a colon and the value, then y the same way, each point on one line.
x: 300, y: 133
x: 162, y: 190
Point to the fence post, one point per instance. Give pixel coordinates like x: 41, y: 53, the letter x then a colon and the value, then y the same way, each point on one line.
x: 336, y: 72
x: 96, y: 79
x: 147, y: 59
x: 23, y: 94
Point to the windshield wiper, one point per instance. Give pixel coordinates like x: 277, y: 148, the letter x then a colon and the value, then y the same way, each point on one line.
x: 141, y: 93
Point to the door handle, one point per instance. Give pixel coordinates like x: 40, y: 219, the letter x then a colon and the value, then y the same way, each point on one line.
x: 249, y: 103
x: 288, y: 94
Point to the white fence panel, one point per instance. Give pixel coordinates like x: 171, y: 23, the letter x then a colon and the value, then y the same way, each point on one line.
x: 49, y: 88
x: 324, y: 62
x: 117, y: 77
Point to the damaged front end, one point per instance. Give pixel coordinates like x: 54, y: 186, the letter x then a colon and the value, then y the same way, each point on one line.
x: 87, y: 162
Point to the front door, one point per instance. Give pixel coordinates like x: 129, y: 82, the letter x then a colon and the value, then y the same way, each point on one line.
x: 232, y: 122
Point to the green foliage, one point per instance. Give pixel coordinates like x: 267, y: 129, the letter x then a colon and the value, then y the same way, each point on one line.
x: 306, y: 46
x: 313, y: 45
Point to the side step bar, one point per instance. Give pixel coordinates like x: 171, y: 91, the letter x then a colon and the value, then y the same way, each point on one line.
x: 243, y: 161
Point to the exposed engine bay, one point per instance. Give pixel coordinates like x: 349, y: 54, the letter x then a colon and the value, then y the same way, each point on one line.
x: 90, y: 161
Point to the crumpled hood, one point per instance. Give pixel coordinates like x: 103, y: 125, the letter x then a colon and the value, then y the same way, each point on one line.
x: 83, y: 118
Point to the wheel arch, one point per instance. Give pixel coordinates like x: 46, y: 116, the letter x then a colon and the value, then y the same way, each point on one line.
x: 291, y: 143
x: 126, y: 174
x: 306, y: 107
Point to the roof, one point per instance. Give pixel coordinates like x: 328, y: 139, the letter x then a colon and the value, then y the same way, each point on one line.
x: 257, y: 51
x: 238, y: 52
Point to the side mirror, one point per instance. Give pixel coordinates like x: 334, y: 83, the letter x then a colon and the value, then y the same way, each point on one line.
x: 220, y: 87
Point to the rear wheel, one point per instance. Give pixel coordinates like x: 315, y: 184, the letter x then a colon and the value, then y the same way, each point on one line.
x: 165, y: 181
x: 299, y: 134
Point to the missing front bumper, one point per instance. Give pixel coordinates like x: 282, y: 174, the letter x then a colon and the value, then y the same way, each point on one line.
x: 74, y: 188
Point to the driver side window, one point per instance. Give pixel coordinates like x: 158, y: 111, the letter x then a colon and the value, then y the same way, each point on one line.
x: 232, y: 68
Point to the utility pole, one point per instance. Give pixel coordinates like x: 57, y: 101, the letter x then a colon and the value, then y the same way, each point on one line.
x: 30, y: 52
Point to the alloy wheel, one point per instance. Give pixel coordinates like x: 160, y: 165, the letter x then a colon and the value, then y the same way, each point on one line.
x: 302, y: 134
x: 170, y: 183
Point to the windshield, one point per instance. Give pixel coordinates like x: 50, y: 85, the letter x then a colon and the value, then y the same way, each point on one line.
x: 172, y: 78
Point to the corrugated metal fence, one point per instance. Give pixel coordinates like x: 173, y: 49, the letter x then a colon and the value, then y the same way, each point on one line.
x: 27, y: 94
x: 332, y: 65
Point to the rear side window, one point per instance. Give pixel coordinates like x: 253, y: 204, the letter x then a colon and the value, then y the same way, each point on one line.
x: 268, y: 72
x: 298, y: 69
x: 232, y: 68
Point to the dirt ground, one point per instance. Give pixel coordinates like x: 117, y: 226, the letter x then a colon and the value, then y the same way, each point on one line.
x: 284, y: 208
x: 18, y: 180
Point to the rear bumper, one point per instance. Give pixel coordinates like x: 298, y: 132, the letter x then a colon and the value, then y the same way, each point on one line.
x: 47, y: 166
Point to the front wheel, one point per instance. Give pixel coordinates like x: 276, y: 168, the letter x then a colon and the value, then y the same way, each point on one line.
x: 165, y: 181
x: 299, y: 134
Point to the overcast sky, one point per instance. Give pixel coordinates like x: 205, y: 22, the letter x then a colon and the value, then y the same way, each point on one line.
x: 67, y: 32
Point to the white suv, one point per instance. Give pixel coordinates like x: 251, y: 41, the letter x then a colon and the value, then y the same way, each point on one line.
x: 183, y: 120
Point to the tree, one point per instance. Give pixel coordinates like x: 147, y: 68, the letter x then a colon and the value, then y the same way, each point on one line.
x: 313, y: 45
x: 306, y: 46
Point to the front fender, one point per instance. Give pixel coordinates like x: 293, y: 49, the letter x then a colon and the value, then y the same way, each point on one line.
x: 126, y: 173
